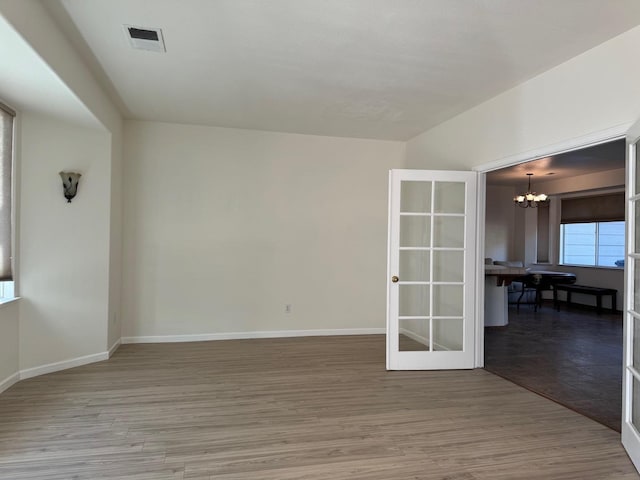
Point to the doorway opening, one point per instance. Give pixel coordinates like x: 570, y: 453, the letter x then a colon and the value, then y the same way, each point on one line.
x: 570, y: 353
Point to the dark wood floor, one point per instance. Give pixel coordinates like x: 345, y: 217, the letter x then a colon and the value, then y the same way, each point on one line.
x: 572, y: 357
x: 313, y: 408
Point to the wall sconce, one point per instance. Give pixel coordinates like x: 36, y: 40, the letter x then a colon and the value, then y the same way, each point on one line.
x: 70, y: 184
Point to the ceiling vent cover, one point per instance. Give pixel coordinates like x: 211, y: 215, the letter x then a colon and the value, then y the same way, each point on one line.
x: 145, y: 38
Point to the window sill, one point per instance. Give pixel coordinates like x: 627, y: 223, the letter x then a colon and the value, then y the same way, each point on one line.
x: 7, y: 301
x: 591, y: 266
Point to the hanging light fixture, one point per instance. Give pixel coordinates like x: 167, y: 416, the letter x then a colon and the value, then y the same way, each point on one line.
x: 530, y: 199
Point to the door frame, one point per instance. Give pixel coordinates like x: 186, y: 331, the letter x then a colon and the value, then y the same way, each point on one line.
x: 595, y: 138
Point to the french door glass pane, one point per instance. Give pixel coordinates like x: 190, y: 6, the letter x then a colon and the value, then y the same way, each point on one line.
x: 448, y: 334
x: 636, y: 281
x: 635, y: 404
x: 448, y: 232
x: 636, y: 342
x: 415, y: 231
x: 637, y: 162
x: 414, y: 300
x: 415, y: 197
x: 448, y: 266
x: 448, y: 300
x: 414, y: 265
x: 449, y: 197
x: 637, y: 227
x: 413, y: 335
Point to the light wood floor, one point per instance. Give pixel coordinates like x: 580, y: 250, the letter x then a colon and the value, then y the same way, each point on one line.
x: 284, y: 409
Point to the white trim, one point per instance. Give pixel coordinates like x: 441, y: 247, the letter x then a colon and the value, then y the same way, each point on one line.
x: 9, y: 381
x: 577, y: 143
x: 389, y: 344
x: 63, y: 365
x: 481, y: 212
x: 114, y: 347
x: 8, y: 301
x: 205, y: 337
x: 629, y: 434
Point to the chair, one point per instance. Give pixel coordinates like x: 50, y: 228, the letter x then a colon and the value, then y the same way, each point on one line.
x: 518, y: 292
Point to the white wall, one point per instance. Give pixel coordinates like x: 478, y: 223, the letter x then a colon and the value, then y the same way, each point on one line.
x: 223, y: 227
x: 500, y: 224
x: 114, y: 316
x: 595, y: 91
x: 9, y: 355
x: 69, y: 256
x: 64, y: 247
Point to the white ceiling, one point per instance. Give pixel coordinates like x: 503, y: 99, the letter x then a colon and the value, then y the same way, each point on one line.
x: 356, y: 68
x: 598, y: 158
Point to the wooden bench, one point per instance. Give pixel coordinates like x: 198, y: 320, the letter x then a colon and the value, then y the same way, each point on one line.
x: 584, y: 289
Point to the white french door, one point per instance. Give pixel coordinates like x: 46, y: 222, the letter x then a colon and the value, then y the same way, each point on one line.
x: 631, y: 375
x: 431, y: 270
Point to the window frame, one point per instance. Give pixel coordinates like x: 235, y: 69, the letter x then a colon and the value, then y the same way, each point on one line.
x: 562, y: 248
x: 9, y: 288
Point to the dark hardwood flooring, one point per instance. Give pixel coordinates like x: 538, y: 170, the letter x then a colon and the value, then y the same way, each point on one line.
x: 573, y: 357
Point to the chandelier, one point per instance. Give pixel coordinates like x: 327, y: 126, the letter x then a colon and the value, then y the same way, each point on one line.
x: 530, y: 199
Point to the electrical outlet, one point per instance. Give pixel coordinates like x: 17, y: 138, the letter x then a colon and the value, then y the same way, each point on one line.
x: 287, y: 308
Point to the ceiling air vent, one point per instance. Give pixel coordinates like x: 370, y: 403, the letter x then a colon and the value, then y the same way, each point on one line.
x: 145, y: 38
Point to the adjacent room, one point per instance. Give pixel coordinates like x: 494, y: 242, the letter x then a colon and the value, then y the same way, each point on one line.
x: 569, y: 352
x: 195, y: 230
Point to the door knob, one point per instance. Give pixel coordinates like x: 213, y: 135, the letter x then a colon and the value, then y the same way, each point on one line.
x: 394, y: 279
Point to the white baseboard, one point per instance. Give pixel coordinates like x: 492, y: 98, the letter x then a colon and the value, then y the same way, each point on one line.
x: 63, y: 365
x: 204, y: 337
x: 114, y: 347
x: 9, y: 381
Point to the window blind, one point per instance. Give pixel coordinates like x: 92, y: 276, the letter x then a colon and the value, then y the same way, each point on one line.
x: 596, y: 208
x: 6, y: 160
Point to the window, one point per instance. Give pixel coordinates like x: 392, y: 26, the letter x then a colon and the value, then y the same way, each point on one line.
x: 592, y: 230
x: 6, y: 160
x: 597, y: 244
